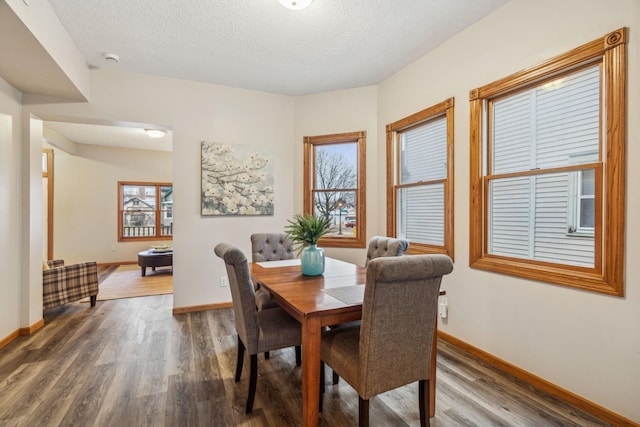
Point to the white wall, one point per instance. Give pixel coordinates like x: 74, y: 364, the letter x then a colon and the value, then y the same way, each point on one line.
x: 342, y: 111
x: 86, y: 200
x: 584, y: 342
x: 31, y: 224
x: 196, y: 112
x: 10, y: 208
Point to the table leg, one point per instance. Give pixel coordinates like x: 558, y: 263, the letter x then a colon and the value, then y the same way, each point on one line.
x: 432, y: 375
x: 144, y: 271
x: 311, y: 334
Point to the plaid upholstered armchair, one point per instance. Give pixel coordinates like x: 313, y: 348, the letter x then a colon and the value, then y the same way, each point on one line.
x: 62, y: 284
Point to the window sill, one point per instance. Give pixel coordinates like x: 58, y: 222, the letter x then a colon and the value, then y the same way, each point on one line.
x: 581, y: 234
x: 576, y: 277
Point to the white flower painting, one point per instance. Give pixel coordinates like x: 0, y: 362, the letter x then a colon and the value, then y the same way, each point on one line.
x: 236, y: 180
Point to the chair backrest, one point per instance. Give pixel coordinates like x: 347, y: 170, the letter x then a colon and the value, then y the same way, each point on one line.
x: 242, y: 294
x: 398, y: 320
x: 385, y: 246
x: 271, y: 247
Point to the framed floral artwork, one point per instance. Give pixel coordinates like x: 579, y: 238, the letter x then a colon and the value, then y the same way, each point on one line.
x: 236, y: 180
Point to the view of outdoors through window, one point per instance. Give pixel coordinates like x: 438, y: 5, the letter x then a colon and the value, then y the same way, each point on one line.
x: 540, y: 205
x: 146, y: 210
x: 335, y: 190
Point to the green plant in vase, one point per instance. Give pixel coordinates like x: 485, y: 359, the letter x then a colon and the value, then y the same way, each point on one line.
x: 305, y: 230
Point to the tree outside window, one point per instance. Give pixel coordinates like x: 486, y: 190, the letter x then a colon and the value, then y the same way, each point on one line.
x: 335, y: 185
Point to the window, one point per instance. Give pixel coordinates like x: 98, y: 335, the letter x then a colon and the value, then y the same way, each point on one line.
x: 547, y: 170
x: 334, y: 185
x: 145, y: 211
x: 582, y: 197
x: 420, y: 179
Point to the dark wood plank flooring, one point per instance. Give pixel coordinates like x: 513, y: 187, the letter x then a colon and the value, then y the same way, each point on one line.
x: 130, y: 362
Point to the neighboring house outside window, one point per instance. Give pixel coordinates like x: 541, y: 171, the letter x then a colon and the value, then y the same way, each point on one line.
x: 145, y: 211
x: 334, y: 185
x: 420, y: 179
x: 547, y: 170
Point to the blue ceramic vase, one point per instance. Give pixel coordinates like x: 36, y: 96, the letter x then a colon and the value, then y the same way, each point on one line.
x: 312, y: 261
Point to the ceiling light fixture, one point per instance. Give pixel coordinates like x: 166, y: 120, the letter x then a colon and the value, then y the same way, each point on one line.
x: 111, y: 57
x: 155, y: 133
x: 295, y: 4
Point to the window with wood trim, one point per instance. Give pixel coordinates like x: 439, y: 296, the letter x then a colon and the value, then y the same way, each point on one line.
x: 548, y: 169
x: 420, y: 179
x: 335, y: 183
x: 145, y: 211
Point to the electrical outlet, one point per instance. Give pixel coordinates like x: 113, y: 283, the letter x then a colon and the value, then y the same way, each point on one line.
x: 224, y: 281
x: 443, y: 308
x: 113, y: 248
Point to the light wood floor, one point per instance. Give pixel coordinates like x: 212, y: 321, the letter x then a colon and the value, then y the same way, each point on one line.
x: 130, y: 362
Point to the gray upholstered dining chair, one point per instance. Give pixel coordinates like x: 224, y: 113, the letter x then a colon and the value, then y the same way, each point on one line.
x: 392, y: 346
x: 269, y: 247
x: 380, y: 246
x: 258, y: 331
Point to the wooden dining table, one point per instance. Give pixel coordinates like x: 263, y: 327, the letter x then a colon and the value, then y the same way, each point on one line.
x: 316, y: 301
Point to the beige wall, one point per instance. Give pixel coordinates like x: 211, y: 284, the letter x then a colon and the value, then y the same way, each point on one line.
x: 85, y: 197
x: 10, y: 208
x: 584, y: 342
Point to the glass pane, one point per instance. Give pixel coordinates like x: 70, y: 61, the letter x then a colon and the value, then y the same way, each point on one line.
x: 138, y: 223
x: 336, y: 166
x: 588, y: 182
x: 421, y: 214
x: 340, y: 207
x: 166, y: 206
x: 423, y: 153
x: 528, y: 219
x: 547, y: 125
x: 166, y: 223
x: 587, y: 213
x: 139, y: 197
x: 509, y: 219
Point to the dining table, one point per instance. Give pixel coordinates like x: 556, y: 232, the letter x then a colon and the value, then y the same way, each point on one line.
x: 332, y: 298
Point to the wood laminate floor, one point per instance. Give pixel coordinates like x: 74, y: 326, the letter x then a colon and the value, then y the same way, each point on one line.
x: 130, y: 362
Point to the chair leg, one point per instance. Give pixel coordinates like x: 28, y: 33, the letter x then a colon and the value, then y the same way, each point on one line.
x: 266, y: 355
x: 93, y: 300
x: 363, y: 409
x: 253, y: 379
x: 240, y: 359
x: 423, y: 402
x: 322, y: 388
x: 298, y: 355
x: 336, y: 378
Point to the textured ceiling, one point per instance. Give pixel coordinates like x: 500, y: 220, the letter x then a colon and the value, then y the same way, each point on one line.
x: 260, y: 45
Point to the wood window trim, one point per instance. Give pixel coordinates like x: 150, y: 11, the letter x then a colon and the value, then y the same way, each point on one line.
x: 607, y: 276
x: 49, y: 175
x: 446, y: 109
x: 119, y: 209
x: 360, y: 138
